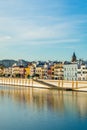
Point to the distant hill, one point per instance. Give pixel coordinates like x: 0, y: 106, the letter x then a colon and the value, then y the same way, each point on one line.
x: 22, y: 62
x: 9, y: 63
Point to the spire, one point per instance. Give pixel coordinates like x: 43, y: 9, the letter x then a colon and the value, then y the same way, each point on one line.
x: 74, y: 59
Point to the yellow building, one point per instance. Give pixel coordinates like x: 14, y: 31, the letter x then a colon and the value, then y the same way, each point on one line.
x: 27, y: 72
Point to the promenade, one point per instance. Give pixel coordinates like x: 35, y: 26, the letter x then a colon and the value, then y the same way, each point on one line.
x: 21, y: 82
x: 65, y: 84
x: 40, y: 83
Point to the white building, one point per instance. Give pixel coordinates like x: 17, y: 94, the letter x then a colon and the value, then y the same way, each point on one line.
x: 8, y: 71
x: 70, y: 71
x: 82, y: 72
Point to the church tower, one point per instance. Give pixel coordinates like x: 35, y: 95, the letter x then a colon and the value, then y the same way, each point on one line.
x: 74, y: 59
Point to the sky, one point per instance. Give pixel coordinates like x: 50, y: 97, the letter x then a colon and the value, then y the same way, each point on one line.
x: 43, y: 29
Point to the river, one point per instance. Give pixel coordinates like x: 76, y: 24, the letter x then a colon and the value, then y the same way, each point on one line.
x: 42, y: 109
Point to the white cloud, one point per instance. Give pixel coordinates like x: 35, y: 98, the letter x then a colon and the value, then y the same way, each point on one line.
x: 14, y: 29
x: 58, y: 31
x: 5, y: 38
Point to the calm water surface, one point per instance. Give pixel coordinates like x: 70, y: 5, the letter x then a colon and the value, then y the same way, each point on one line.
x: 42, y: 109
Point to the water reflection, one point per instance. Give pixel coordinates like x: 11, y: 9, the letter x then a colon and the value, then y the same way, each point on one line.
x: 56, y: 101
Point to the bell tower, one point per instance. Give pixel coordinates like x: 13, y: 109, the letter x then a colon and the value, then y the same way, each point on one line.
x: 74, y: 59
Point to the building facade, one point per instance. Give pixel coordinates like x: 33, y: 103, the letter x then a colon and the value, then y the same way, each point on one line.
x: 39, y: 72
x: 82, y: 72
x: 18, y: 71
x: 8, y: 72
x: 58, y: 71
x: 70, y: 71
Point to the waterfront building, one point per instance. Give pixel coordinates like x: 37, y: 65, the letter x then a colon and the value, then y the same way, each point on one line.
x: 18, y: 71
x: 27, y: 72
x: 49, y: 72
x: 21, y: 71
x: 15, y: 70
x: 8, y: 72
x: 44, y: 73
x: 52, y: 72
x: 70, y: 71
x: 58, y: 71
x: 82, y: 72
x: 1, y: 70
x: 34, y: 64
x: 31, y: 69
x: 38, y: 71
x: 41, y: 70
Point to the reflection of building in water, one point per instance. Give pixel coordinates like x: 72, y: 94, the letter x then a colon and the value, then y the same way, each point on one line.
x: 76, y: 102
x: 48, y: 99
x: 40, y: 98
x: 82, y: 104
x: 45, y: 99
x: 70, y: 101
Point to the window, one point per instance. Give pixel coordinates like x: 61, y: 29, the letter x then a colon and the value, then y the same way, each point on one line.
x: 79, y: 72
x: 65, y: 69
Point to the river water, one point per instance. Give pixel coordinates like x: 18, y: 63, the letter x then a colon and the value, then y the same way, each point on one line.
x: 42, y: 109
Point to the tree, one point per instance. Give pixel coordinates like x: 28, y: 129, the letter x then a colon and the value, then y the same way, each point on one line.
x: 28, y: 76
x: 36, y: 76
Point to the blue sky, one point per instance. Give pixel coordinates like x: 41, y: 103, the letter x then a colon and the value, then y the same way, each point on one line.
x: 43, y: 29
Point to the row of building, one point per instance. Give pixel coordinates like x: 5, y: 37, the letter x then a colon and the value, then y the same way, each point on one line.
x: 74, y: 70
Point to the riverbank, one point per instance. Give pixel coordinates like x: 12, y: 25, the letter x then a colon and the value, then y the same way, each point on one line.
x: 80, y: 86
x: 21, y: 82
x: 53, y: 84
